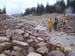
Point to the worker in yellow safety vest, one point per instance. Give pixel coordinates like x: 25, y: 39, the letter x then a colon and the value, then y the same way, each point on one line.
x: 64, y: 19
x: 50, y: 24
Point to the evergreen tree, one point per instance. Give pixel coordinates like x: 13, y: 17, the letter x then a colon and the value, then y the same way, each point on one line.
x: 40, y: 9
x: 47, y: 8
x: 27, y: 11
x: 60, y: 6
x: 33, y: 11
x: 72, y: 4
x: 63, y: 6
x: 4, y: 10
x: 52, y: 9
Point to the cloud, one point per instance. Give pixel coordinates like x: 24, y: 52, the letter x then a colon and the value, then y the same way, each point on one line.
x: 18, y: 6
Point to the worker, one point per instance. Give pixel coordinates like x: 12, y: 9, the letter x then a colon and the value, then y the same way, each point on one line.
x: 55, y: 24
x: 50, y: 24
x: 64, y: 19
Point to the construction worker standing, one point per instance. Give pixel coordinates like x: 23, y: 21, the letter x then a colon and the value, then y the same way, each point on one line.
x: 64, y: 19
x: 50, y: 24
x: 64, y: 22
x: 55, y: 24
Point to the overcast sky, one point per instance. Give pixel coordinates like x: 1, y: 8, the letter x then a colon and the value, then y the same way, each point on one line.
x: 19, y: 6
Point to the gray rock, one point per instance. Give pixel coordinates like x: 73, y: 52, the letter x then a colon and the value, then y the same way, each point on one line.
x: 34, y: 54
x: 8, y: 53
x: 9, y: 32
x: 42, y: 50
x: 39, y: 27
x: 18, y: 37
x: 3, y: 39
x: 31, y: 49
x: 2, y: 55
x: 42, y: 44
x: 40, y: 39
x: 29, y: 40
x: 20, y: 24
x: 71, y: 53
x: 35, y: 34
x: 20, y: 43
x: 26, y: 35
x: 19, y: 31
x: 33, y: 37
x: 56, y: 53
x: 17, y: 48
x: 29, y: 32
x: 5, y: 46
x: 36, y: 40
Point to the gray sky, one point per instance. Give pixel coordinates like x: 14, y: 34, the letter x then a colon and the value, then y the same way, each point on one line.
x: 19, y: 6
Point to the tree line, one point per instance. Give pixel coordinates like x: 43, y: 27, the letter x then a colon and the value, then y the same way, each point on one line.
x: 58, y: 7
x: 3, y: 11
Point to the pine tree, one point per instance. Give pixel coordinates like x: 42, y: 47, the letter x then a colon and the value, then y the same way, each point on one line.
x: 60, y: 6
x: 72, y: 4
x: 40, y: 9
x: 4, y: 10
x: 27, y: 11
x: 63, y: 6
x: 47, y: 8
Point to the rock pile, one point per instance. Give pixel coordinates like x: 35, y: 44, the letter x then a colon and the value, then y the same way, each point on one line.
x: 69, y: 26
x: 71, y: 23
x: 20, y: 38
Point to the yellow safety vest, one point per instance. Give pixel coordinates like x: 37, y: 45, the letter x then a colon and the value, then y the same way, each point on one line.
x: 64, y: 18
x: 50, y: 23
